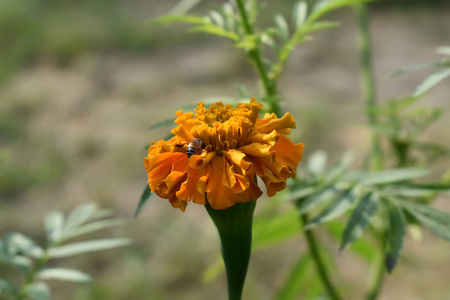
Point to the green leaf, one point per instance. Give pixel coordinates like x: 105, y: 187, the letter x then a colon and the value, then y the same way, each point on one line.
x: 217, y: 19
x: 98, y: 225
x: 426, y: 211
x: 54, y: 225
x: 396, y: 233
x: 144, y: 201
x: 270, y: 231
x: 431, y: 81
x: 296, y: 279
x: 7, y: 289
x: 360, y: 219
x: 336, y: 208
x: 77, y: 217
x: 317, y: 163
x: 317, y: 199
x: 216, y: 30
x: 89, y: 246
x: 339, y: 168
x: 299, y: 14
x: 39, y: 291
x: 324, y: 6
x: 25, y: 244
x: 299, y: 194
x: 361, y: 247
x: 9, y: 255
x: 413, y: 68
x: 164, y: 123
x: 390, y: 176
x: 230, y: 18
x: 63, y: 274
x: 179, y: 19
x: 283, y: 28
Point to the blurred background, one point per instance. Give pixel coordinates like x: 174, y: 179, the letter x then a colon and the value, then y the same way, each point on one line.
x: 81, y: 82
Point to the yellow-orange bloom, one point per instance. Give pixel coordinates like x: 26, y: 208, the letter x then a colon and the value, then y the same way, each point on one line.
x: 237, y: 145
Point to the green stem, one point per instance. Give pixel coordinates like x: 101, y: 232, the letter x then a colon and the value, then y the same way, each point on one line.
x: 378, y: 272
x: 234, y: 226
x: 368, y: 84
x: 270, y: 90
x: 23, y: 294
x: 320, y: 266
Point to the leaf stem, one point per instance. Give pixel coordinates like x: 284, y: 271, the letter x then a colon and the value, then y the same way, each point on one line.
x: 368, y: 83
x: 320, y: 266
x: 270, y: 91
x: 378, y: 272
x: 23, y: 294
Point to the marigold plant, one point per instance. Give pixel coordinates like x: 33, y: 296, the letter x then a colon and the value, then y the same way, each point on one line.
x: 237, y: 145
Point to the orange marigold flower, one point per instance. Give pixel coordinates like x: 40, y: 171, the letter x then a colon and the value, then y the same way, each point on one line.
x: 236, y: 146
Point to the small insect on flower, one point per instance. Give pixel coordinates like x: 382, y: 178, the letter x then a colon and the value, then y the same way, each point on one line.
x: 193, y: 147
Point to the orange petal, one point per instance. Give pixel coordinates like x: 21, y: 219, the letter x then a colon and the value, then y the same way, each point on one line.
x: 271, y: 122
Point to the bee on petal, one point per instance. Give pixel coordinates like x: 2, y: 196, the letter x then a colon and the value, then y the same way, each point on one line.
x: 193, y: 147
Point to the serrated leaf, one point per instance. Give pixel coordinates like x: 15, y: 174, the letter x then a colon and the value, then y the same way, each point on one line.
x: 283, y: 28
x: 178, y: 19
x: 390, y: 176
x: 431, y: 81
x: 216, y: 30
x: 396, y: 233
x: 317, y: 199
x: 25, y: 244
x: 164, y: 123
x: 7, y: 288
x: 89, y: 246
x: 413, y: 68
x: 39, y: 291
x: 98, y: 225
x: 317, y: 163
x: 299, y: 14
x: 54, y: 226
x: 361, y: 247
x: 144, y: 201
x: 296, y: 279
x: 63, y: 274
x: 77, y: 217
x: 360, y: 219
x: 336, y: 208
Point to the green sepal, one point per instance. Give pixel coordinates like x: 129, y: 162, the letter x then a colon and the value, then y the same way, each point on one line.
x: 234, y: 226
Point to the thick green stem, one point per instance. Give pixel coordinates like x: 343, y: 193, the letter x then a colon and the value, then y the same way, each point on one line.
x: 320, y: 266
x: 368, y: 84
x: 234, y: 226
x: 270, y: 90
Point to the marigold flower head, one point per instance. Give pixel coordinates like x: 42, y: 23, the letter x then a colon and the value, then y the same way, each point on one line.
x: 236, y: 146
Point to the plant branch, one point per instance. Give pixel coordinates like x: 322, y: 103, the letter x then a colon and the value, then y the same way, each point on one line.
x: 321, y: 270
x: 378, y: 272
x: 255, y: 56
x: 368, y: 84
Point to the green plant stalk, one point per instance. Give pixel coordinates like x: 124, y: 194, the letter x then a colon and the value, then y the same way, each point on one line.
x: 368, y: 84
x: 23, y: 294
x: 320, y: 266
x: 269, y: 86
x: 234, y: 226
x: 370, y: 103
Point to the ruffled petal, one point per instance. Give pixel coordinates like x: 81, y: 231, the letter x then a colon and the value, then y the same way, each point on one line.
x: 272, y: 122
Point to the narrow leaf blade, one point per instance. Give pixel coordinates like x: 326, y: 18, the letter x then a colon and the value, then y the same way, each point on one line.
x: 64, y: 274
x: 54, y: 226
x: 360, y: 219
x: 89, y: 246
x: 395, y: 236
x: 144, y: 201
x: 431, y: 81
